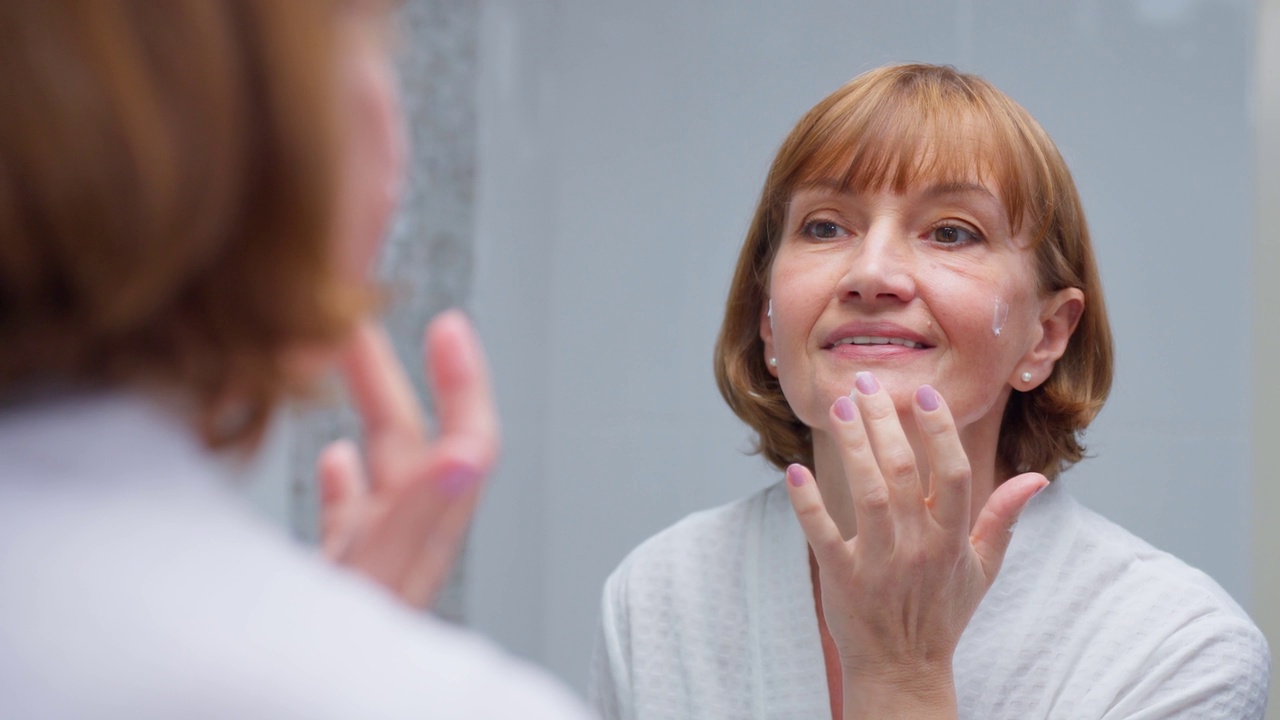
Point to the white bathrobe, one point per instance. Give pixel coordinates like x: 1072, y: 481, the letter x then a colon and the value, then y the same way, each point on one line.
x: 714, y: 618
x: 135, y: 584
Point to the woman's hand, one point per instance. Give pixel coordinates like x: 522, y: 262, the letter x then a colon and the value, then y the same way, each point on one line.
x: 399, y: 514
x: 897, y: 597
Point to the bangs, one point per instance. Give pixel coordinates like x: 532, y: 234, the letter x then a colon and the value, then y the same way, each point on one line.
x: 922, y: 131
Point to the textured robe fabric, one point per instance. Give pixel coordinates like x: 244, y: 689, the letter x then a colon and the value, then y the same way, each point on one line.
x: 135, y: 584
x: 714, y: 618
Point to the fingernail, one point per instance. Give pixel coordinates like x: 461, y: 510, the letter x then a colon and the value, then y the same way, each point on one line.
x: 1042, y: 487
x: 458, y: 480
x: 844, y: 408
x: 795, y: 475
x: 927, y: 398
x: 866, y: 383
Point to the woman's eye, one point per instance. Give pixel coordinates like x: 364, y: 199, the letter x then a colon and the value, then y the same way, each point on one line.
x: 822, y: 229
x: 954, y: 235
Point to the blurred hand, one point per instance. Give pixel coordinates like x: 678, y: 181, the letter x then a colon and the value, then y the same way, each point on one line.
x: 399, y: 513
x: 897, y: 597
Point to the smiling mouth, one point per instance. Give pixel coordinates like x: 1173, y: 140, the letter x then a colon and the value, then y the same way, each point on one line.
x: 878, y: 340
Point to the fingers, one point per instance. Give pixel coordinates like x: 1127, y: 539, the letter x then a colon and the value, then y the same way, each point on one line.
x: 895, y: 461
x: 404, y: 527
x: 410, y: 545
x: 893, y: 452
x: 994, y: 527
x: 819, y: 529
x: 428, y: 575
x: 871, y: 505
x: 343, y: 492
x: 381, y: 391
x: 460, y: 383
x: 951, y: 476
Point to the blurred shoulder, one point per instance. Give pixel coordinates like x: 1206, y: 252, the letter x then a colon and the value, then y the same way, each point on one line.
x: 174, y: 599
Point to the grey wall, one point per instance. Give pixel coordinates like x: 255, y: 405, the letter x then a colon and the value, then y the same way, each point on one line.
x: 1266, y: 340
x: 621, y: 148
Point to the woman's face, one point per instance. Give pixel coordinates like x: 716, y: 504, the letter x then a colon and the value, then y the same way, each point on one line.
x: 925, y: 287
x: 374, y: 145
x: 372, y: 157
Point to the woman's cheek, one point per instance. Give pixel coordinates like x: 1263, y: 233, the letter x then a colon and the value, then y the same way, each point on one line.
x: 376, y: 155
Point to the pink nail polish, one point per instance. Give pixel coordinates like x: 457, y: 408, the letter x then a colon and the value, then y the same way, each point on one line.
x: 927, y: 398
x: 866, y: 383
x: 458, y: 480
x: 844, y: 408
x: 795, y: 475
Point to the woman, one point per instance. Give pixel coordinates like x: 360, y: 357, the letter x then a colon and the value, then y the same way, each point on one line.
x: 916, y: 332
x: 191, y: 193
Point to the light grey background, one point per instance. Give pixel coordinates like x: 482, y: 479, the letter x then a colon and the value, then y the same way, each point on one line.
x: 621, y: 150
x: 1266, y: 340
x: 618, y: 150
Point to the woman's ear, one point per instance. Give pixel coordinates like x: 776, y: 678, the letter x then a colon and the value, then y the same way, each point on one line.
x: 1059, y: 315
x: 766, y: 336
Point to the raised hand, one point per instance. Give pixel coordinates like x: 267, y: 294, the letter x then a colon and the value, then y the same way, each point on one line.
x: 898, y: 595
x: 399, y: 514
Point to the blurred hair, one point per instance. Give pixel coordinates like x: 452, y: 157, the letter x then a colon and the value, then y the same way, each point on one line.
x: 894, y: 128
x: 168, y: 174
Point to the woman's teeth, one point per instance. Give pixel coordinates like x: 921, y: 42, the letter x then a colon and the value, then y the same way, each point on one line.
x: 873, y: 340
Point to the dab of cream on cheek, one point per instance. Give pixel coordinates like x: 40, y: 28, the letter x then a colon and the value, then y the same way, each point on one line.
x: 999, y: 316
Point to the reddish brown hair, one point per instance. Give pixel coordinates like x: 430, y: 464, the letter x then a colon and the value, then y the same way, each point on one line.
x: 167, y: 182
x: 892, y: 128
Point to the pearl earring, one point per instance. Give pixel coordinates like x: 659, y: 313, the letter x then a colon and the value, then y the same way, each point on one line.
x: 773, y: 362
x: 1026, y: 377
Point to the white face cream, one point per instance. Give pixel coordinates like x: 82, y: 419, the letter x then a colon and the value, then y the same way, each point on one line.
x: 1000, y: 316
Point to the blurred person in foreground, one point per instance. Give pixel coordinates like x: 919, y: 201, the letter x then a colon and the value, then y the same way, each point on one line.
x: 191, y: 196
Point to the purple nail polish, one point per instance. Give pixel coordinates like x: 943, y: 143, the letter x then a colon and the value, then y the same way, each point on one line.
x: 927, y: 398
x: 795, y: 475
x: 844, y: 408
x: 866, y: 383
x: 458, y: 480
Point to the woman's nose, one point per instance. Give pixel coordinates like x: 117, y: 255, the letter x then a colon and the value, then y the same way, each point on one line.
x: 880, y: 266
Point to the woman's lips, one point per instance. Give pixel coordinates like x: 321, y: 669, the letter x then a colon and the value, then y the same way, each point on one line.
x: 873, y: 351
x: 860, y: 336
x: 865, y: 340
